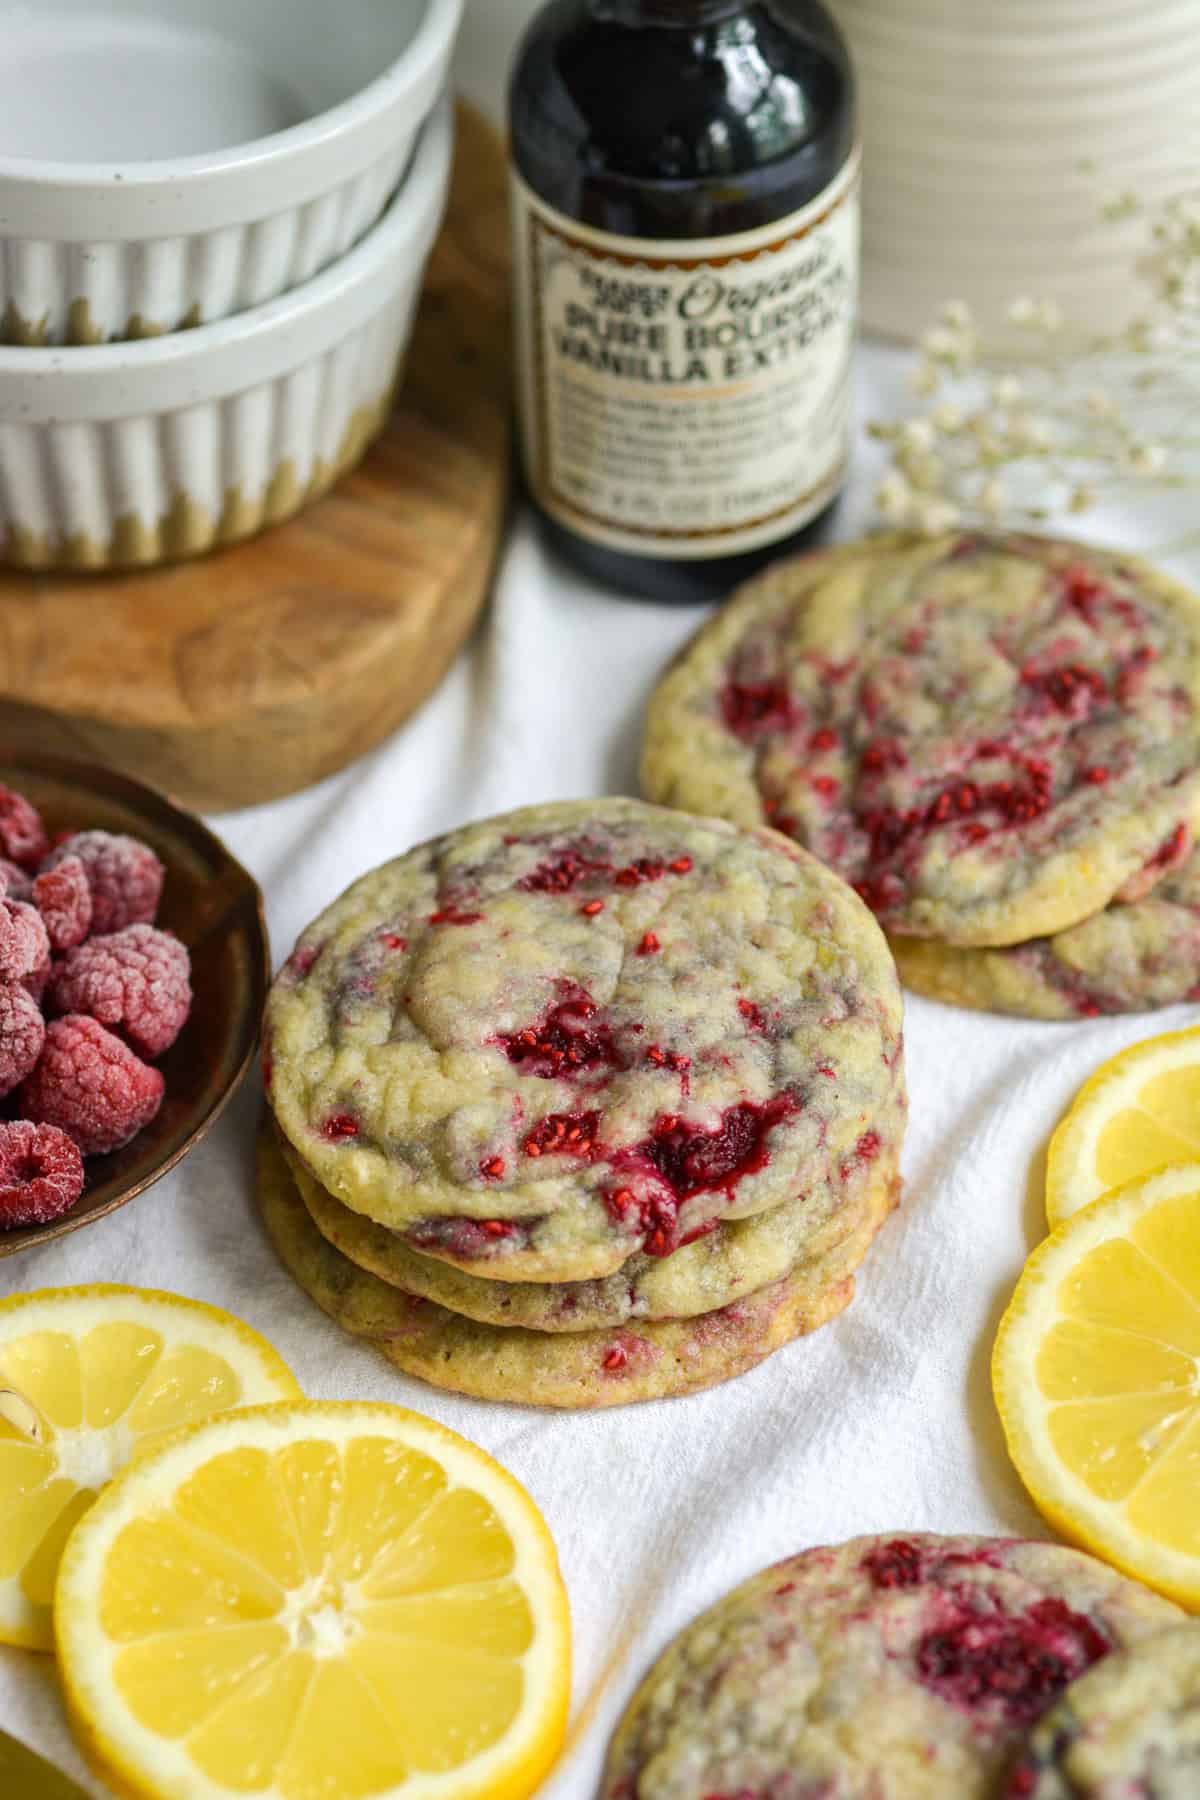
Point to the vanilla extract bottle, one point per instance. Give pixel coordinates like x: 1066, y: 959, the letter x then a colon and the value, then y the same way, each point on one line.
x: 685, y: 185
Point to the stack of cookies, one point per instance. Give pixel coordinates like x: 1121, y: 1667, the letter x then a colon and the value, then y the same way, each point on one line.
x: 587, y: 1104
x: 995, y: 740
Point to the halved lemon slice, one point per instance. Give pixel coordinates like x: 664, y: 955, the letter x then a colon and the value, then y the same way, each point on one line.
x: 1138, y: 1112
x: 1096, y: 1373
x: 88, y: 1377
x: 316, y: 1602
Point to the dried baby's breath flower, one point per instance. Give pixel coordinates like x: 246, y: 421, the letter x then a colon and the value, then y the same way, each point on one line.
x: 949, y: 418
x: 992, y: 498
x: 1147, y: 459
x: 926, y: 472
x: 924, y: 378
x: 918, y: 434
x: 1019, y: 434
x: 893, y: 498
x: 932, y: 517
x: 1007, y: 391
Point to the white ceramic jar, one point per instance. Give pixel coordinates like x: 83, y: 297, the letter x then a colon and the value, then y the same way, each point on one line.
x: 994, y: 132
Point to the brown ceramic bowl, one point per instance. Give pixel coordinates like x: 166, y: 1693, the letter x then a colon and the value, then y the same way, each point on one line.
x: 214, y: 906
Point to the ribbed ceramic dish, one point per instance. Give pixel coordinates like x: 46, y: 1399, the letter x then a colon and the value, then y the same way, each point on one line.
x: 139, y: 453
x: 169, y: 163
x: 995, y: 131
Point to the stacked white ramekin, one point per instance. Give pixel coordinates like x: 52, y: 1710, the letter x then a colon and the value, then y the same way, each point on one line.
x: 214, y: 221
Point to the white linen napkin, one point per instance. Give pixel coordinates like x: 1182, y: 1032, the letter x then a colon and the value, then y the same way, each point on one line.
x: 882, y: 1421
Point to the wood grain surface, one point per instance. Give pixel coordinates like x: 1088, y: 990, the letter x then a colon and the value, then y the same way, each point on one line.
x: 257, y: 670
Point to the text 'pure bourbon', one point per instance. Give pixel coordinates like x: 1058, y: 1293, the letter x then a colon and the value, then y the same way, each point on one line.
x: 686, y: 232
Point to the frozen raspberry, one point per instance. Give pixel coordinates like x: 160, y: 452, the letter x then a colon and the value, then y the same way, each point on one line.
x: 64, y: 899
x: 136, y: 978
x: 35, y: 982
x: 91, y: 1085
x: 24, y: 943
x: 41, y: 1174
x: 22, y: 834
x: 15, y: 880
x: 22, y: 1034
x: 124, y: 875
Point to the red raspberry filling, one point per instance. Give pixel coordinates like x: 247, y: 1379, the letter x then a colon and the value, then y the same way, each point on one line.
x: 562, y: 873
x: 688, y: 1160
x: 300, y: 962
x: 902, y: 1564
x: 41, y: 1174
x: 340, y: 1126
x: 468, y: 1240
x: 1072, y: 690
x: 692, y: 1161
x: 565, y: 1042
x: 452, y: 914
x: 1012, y: 1667
x: 750, y: 709
x: 564, y: 1134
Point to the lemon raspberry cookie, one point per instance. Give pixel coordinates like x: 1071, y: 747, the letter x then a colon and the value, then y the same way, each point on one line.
x: 1127, y: 1730
x: 989, y: 737
x: 555, y: 1040
x: 880, y: 1669
x: 1133, y: 955
x: 722, y: 1266
x: 638, y: 1361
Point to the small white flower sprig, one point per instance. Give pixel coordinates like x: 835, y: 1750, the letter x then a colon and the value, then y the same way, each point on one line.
x: 1064, y: 422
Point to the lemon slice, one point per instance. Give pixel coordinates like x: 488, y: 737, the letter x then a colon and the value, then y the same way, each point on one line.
x: 1096, y: 1373
x: 1138, y: 1112
x: 88, y: 1376
x: 316, y: 1602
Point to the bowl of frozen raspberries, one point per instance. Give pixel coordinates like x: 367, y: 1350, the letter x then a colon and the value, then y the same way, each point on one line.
x: 133, y: 968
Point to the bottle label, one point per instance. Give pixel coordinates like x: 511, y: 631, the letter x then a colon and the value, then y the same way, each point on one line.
x: 689, y: 398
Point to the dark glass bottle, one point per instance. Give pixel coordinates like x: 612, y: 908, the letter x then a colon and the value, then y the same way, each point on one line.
x: 685, y: 201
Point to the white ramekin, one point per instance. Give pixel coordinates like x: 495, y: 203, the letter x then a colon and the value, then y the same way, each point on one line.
x: 94, y: 250
x: 132, y: 454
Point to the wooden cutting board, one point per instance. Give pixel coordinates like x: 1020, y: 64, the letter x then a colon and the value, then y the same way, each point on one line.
x: 257, y: 670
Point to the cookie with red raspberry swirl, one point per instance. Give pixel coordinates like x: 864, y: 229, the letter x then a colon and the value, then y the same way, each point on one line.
x: 1136, y: 954
x: 1127, y: 1730
x: 548, y: 1042
x: 989, y: 737
x: 903, y: 1668
x: 736, y: 1258
x: 641, y: 1360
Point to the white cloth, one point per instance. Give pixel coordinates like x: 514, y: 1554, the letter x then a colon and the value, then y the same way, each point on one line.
x: 882, y: 1421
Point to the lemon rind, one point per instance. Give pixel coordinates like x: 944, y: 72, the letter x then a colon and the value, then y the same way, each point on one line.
x: 1076, y: 1512
x: 155, y: 1769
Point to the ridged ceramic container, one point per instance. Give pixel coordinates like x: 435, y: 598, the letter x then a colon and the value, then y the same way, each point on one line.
x: 170, y: 163
x: 994, y: 132
x: 133, y: 454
